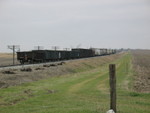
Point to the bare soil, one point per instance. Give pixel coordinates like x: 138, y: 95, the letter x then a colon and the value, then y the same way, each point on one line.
x: 141, y: 66
x: 12, y: 77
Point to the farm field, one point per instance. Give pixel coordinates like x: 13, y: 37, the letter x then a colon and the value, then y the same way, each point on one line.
x: 75, y: 87
x: 141, y: 67
x: 7, y: 59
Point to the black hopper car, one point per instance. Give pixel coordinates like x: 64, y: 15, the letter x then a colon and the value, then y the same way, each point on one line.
x: 38, y: 56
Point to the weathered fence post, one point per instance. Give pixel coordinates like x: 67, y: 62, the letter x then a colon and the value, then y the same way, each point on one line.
x: 112, y: 81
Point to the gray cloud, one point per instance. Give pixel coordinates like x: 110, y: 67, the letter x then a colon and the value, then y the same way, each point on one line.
x: 66, y: 23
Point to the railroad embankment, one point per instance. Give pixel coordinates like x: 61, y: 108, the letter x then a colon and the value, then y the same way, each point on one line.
x: 12, y: 77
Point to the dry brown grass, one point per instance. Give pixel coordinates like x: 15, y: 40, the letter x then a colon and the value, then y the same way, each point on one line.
x: 7, y: 59
x: 40, y: 72
x: 141, y: 66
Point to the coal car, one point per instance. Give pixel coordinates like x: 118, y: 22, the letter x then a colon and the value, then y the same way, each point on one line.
x: 37, y: 56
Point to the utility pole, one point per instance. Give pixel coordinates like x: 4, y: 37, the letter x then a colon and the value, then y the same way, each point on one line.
x: 14, y: 47
x: 38, y: 47
x: 55, y: 47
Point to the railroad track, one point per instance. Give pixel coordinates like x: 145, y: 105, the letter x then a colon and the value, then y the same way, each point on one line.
x: 36, y: 64
x: 9, y: 65
x: 28, y: 65
x: 39, y: 64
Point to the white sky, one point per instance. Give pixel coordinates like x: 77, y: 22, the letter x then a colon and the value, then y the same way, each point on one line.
x: 69, y: 23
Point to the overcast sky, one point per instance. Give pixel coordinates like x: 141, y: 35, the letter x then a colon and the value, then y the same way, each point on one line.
x: 72, y: 23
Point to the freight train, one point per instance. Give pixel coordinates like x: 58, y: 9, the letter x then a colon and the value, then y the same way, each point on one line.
x: 38, y: 56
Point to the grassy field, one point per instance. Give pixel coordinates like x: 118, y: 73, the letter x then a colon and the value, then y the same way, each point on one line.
x: 86, y: 90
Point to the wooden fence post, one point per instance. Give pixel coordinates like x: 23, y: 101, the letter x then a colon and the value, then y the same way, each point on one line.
x: 112, y: 81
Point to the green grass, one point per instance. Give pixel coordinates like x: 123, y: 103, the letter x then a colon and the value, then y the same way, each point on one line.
x: 86, y: 91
